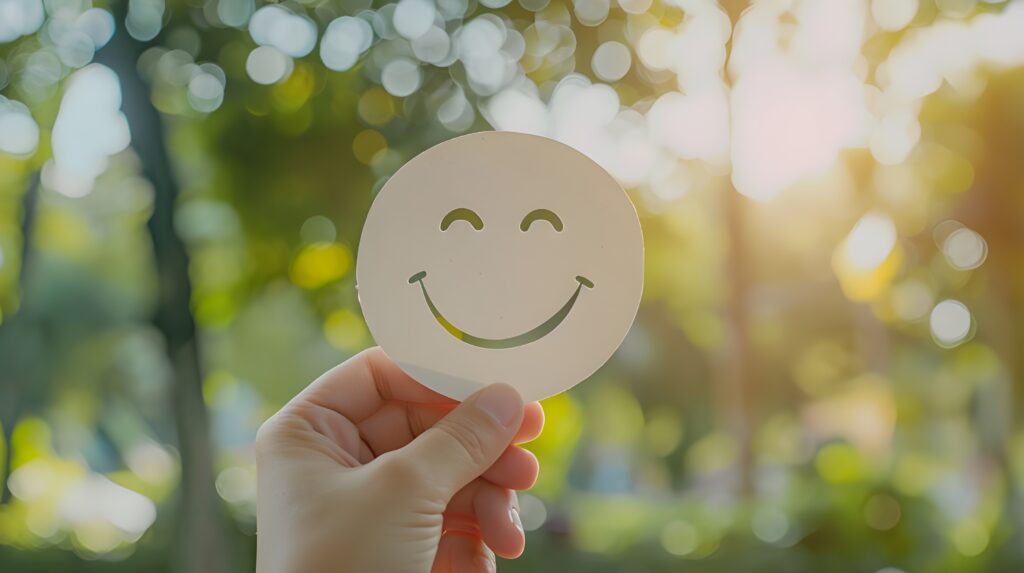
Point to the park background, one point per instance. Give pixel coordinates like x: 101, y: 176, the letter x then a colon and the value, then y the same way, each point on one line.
x: 826, y: 370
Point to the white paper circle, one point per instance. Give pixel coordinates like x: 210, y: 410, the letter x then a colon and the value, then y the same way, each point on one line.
x: 540, y: 309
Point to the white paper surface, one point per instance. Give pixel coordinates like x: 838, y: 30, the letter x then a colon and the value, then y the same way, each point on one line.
x: 500, y: 304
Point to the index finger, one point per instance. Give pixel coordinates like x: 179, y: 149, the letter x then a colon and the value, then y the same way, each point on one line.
x: 362, y: 384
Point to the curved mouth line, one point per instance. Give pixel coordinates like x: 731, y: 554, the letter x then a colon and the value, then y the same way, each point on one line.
x: 531, y: 335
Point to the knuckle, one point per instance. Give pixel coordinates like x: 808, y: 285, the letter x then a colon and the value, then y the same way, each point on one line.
x: 467, y: 438
x: 266, y: 436
x: 273, y: 433
x: 399, y: 471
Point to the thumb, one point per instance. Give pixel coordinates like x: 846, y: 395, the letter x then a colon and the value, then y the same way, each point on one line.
x: 463, y: 444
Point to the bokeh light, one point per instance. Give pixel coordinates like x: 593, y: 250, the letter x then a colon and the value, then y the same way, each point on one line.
x: 679, y: 538
x: 950, y: 322
x: 433, y: 46
x: 19, y: 134
x: 970, y: 537
x: 206, y: 88
x: 770, y: 525
x: 145, y: 18
x: 870, y: 241
x: 401, y: 77
x: 289, y: 33
x: 413, y: 18
x: 611, y: 61
x: 19, y: 18
x: 823, y: 364
x: 965, y: 249
x: 318, y: 229
x: 344, y: 41
x: 532, y: 512
x: 268, y: 65
x: 591, y: 12
x: 321, y: 263
x: 89, y: 128
x: 893, y: 15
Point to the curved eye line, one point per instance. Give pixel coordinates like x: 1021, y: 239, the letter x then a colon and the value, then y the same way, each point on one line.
x: 541, y: 214
x: 462, y: 214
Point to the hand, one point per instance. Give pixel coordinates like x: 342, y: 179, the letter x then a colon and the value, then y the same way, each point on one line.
x: 367, y: 471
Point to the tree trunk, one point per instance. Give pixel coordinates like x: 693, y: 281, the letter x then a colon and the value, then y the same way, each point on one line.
x: 201, y: 543
x: 996, y: 214
x: 738, y: 357
x: 10, y: 405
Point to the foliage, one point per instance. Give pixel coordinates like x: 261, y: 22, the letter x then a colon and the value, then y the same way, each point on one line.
x: 825, y: 371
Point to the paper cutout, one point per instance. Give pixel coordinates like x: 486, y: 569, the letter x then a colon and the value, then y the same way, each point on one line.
x: 500, y: 257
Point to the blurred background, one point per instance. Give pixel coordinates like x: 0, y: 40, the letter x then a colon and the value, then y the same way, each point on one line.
x: 826, y: 370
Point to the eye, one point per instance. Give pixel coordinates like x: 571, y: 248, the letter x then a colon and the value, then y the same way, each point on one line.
x: 541, y: 215
x: 462, y: 214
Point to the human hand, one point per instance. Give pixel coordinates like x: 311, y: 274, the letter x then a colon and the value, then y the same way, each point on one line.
x: 367, y: 471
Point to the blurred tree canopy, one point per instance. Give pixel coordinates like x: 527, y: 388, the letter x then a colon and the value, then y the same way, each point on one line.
x: 826, y: 371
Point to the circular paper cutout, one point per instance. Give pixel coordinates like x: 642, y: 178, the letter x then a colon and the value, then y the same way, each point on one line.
x: 500, y: 257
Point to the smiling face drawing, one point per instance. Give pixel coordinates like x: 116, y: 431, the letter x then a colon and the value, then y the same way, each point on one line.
x: 512, y: 341
x: 500, y: 257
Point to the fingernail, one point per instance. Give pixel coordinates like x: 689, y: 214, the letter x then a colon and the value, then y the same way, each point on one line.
x: 501, y: 402
x: 513, y: 514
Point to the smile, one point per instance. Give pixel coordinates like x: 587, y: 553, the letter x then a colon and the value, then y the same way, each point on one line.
x: 531, y: 335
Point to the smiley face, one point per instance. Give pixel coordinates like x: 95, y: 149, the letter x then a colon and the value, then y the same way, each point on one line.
x: 535, y: 333
x: 531, y: 335
x: 500, y: 257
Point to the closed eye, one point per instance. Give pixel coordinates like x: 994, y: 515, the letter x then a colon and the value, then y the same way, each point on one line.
x: 462, y: 214
x: 540, y: 215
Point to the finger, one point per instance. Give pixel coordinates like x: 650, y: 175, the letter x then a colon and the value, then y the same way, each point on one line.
x: 463, y: 444
x: 533, y: 423
x: 461, y: 553
x: 497, y: 511
x: 362, y: 384
x: 492, y: 512
x: 515, y: 469
x: 396, y: 424
x: 343, y: 439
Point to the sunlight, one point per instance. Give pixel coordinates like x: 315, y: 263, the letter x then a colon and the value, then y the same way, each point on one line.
x: 19, y: 18
x: 290, y: 33
x: 96, y: 498
x: 89, y: 129
x: 19, y: 133
x: 950, y: 323
x: 870, y: 241
x: 829, y: 197
x: 794, y: 111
